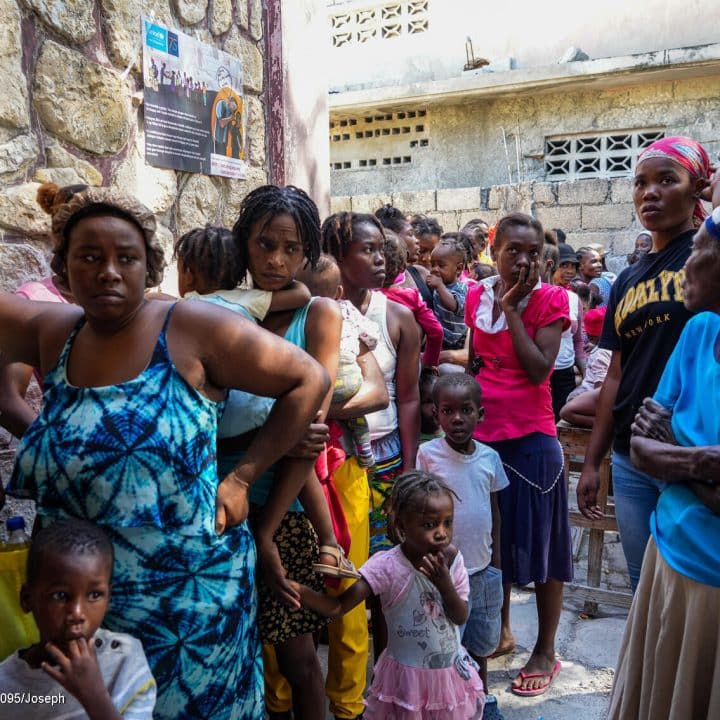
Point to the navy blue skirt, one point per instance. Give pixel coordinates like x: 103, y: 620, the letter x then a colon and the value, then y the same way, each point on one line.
x: 535, y: 524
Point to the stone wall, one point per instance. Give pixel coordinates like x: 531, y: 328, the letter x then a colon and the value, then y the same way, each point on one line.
x: 71, y: 111
x: 587, y: 210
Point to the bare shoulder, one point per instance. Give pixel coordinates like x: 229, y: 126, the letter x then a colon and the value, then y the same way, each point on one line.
x: 401, y: 325
x: 323, y: 309
x: 53, y: 325
x: 206, y: 318
x: 398, y: 314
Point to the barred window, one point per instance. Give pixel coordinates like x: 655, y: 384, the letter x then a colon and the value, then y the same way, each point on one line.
x: 355, y: 26
x: 611, y: 154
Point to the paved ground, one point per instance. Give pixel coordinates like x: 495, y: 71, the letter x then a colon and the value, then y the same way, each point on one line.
x: 587, y: 648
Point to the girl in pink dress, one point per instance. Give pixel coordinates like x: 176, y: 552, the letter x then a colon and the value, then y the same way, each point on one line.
x: 424, y: 673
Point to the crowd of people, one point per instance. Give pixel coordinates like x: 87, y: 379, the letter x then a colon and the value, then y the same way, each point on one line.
x: 360, y: 410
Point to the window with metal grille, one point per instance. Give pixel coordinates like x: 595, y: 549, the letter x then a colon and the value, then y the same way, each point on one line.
x: 386, y: 21
x: 611, y: 154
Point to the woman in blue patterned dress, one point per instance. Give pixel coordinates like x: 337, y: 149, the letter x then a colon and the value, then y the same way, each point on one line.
x: 126, y: 439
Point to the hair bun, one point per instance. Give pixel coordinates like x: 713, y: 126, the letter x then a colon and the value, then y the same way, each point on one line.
x: 46, y: 195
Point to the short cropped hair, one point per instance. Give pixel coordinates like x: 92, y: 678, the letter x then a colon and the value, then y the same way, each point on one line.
x: 457, y: 380
x: 68, y: 537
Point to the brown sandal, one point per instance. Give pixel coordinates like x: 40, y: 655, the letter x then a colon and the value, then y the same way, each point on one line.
x: 344, y: 568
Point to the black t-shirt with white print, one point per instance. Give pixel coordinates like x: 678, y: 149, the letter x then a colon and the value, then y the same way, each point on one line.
x: 644, y: 319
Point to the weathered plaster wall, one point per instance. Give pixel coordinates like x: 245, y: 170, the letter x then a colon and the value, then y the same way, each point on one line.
x: 304, y: 113
x: 466, y: 147
x: 532, y: 34
x: 71, y: 111
x: 587, y: 210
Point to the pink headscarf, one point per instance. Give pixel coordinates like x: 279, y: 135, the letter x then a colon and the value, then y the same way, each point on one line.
x: 690, y: 155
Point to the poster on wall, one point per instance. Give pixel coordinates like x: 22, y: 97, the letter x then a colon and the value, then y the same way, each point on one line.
x: 193, y: 104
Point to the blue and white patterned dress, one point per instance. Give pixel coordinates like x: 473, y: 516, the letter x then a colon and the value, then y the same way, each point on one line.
x: 138, y: 458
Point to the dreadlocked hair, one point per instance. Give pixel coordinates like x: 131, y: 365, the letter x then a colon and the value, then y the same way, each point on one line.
x: 411, y: 490
x: 210, y: 253
x: 267, y: 202
x: 67, y: 537
x: 391, y: 218
x: 461, y: 242
x: 337, y: 231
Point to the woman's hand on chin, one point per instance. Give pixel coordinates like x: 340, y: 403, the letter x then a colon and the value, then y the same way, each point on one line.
x: 231, y: 502
x: 527, y: 280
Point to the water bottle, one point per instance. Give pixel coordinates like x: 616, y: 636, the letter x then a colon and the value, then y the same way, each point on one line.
x: 17, y: 536
x: 18, y: 627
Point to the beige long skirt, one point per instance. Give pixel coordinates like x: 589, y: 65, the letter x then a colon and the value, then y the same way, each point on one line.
x: 669, y: 663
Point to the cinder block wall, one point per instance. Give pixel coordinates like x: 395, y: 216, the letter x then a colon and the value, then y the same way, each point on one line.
x: 591, y: 210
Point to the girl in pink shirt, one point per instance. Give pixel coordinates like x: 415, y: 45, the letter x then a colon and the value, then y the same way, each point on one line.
x: 515, y: 324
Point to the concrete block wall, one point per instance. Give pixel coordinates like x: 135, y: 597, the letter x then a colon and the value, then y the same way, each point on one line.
x: 589, y: 211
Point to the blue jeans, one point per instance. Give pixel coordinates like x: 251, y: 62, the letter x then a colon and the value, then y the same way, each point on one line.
x: 481, y: 632
x: 636, y: 495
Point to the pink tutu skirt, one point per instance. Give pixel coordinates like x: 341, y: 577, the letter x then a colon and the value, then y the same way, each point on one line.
x: 400, y: 692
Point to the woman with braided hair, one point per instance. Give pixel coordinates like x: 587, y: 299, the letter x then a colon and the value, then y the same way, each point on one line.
x: 126, y: 439
x: 356, y: 241
x: 424, y: 588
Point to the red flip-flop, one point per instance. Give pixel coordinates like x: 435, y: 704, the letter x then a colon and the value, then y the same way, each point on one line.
x: 527, y: 676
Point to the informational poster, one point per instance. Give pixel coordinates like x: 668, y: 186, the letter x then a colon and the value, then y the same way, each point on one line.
x: 193, y: 104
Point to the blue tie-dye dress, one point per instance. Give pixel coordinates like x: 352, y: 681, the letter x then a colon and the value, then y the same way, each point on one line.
x: 138, y: 458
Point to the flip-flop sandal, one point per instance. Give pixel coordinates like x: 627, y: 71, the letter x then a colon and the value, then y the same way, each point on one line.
x: 344, y: 568
x: 537, y: 691
x: 502, y: 651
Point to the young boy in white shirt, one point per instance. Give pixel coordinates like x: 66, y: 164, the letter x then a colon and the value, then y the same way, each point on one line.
x: 475, y: 473
x: 77, y: 670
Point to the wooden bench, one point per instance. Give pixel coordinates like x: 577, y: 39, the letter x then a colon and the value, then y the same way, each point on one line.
x: 574, y: 441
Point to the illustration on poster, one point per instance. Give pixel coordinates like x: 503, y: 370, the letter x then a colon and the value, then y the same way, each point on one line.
x: 193, y: 104
x: 226, y: 118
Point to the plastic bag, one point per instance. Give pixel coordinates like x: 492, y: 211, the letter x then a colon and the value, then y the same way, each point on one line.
x: 18, y: 627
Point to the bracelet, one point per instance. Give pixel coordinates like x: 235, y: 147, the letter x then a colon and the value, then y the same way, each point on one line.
x: 239, y: 481
x: 712, y: 223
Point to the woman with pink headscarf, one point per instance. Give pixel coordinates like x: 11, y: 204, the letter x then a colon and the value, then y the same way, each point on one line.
x: 644, y: 320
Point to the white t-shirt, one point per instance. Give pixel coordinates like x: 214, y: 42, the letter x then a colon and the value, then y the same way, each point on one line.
x: 473, y: 478
x: 37, y: 696
x: 566, y: 354
x: 598, y: 363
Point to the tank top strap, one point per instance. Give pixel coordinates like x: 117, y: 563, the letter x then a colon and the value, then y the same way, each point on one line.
x: 160, y: 353
x: 58, y: 370
x: 296, y: 329
x: 421, y: 285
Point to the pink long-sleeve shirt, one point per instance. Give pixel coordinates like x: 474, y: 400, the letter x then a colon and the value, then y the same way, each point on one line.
x: 424, y: 317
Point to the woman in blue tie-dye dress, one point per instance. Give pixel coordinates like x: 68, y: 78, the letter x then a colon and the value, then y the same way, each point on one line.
x: 126, y: 438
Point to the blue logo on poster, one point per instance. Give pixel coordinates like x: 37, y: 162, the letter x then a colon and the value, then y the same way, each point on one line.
x: 173, y: 45
x: 156, y: 37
